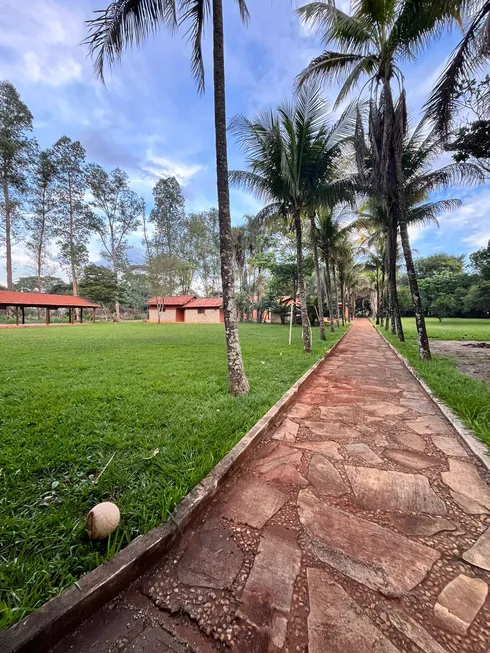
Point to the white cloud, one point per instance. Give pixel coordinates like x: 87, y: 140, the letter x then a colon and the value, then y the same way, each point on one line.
x: 42, y: 42
x: 158, y: 166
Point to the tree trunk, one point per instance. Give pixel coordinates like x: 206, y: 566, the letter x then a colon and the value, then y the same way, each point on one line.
x: 342, y: 299
x: 396, y: 323
x: 301, y: 282
x: 236, y: 372
x: 422, y: 337
x: 377, y: 295
x: 335, y: 294
x: 8, y: 236
x: 329, y: 293
x: 318, y: 279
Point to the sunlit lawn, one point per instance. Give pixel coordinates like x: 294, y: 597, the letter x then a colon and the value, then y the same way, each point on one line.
x: 469, y: 398
x: 71, y: 397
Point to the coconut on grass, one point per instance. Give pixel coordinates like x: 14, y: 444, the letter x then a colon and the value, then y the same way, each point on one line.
x: 102, y: 520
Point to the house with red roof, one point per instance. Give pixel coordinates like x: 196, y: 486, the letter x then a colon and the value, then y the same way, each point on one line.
x: 186, y: 308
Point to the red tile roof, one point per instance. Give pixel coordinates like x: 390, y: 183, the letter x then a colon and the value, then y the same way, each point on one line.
x: 180, y: 300
x: 212, y: 302
x: 35, y: 299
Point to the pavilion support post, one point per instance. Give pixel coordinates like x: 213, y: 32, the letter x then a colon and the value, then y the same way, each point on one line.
x: 23, y: 315
x: 93, y: 316
x: 81, y: 316
x: 48, y: 316
x: 70, y: 319
x: 17, y: 315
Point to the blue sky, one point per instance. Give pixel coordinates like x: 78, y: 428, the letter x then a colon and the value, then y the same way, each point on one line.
x: 149, y: 119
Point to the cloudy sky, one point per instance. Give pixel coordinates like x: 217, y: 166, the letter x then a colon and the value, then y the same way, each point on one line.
x: 149, y: 119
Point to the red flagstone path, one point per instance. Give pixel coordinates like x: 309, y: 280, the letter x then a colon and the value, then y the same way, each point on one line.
x: 360, y: 524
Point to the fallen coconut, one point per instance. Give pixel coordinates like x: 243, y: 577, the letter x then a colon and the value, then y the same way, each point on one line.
x: 102, y: 520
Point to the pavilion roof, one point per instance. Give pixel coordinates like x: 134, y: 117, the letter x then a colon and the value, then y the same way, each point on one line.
x: 41, y: 300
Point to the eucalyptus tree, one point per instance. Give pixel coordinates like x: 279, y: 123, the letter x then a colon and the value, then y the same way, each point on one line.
x: 292, y: 155
x: 40, y: 221
x: 126, y: 23
x: 116, y: 214
x: 372, y: 43
x: 72, y: 218
x: 15, y: 146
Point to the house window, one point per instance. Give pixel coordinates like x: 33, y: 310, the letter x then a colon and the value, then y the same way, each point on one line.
x: 201, y: 311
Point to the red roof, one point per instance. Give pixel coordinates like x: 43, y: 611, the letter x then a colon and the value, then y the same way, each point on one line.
x: 212, y: 302
x: 35, y: 299
x: 180, y: 300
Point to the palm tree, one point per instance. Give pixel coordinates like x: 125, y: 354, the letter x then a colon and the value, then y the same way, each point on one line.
x: 292, y: 155
x: 372, y: 43
x: 128, y: 22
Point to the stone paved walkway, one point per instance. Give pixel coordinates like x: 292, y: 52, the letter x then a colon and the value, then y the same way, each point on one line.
x: 360, y: 524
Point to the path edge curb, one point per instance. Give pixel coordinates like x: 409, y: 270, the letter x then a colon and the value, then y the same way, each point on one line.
x: 44, y: 628
x: 476, y: 446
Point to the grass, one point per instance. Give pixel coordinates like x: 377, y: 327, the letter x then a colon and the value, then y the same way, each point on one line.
x: 467, y: 397
x: 72, y: 397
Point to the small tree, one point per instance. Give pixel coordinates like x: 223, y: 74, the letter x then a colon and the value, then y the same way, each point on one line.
x: 480, y: 260
x: 72, y: 226
x: 478, y: 298
x: 117, y: 211
x: 15, y: 123
x: 443, y: 306
x: 99, y: 284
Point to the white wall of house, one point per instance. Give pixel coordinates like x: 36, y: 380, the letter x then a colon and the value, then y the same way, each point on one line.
x: 168, y: 315
x: 210, y: 316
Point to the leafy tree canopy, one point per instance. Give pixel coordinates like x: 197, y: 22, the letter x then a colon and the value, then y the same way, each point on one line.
x: 480, y: 260
x: 430, y: 266
x: 99, y: 284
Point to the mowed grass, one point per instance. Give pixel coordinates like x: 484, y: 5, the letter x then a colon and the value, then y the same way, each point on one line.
x: 467, y: 397
x: 72, y: 397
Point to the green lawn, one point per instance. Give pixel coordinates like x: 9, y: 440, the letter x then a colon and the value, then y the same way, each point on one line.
x: 71, y: 397
x: 468, y: 398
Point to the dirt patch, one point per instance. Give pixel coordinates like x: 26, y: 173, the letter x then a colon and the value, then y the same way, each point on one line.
x: 472, y: 358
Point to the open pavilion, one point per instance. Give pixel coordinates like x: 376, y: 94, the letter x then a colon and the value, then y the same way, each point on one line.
x: 23, y: 300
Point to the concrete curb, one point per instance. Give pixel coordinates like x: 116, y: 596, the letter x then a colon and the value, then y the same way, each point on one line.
x: 476, y: 446
x: 42, y: 629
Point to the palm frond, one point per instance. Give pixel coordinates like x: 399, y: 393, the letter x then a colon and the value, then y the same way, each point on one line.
x: 469, y: 56
x: 123, y: 24
x: 195, y: 13
x: 329, y: 66
x: 426, y: 214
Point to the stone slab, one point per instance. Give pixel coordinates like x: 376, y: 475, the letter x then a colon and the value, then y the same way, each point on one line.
x: 459, y: 603
x: 269, y: 587
x: 299, y: 411
x: 421, y: 525
x: 363, y: 451
x: 336, y: 623
x: 331, y: 430
x: 323, y: 475
x: 276, y: 456
x: 377, y: 489
x: 479, y: 554
x: 411, y: 459
x: 286, y: 474
x: 410, y: 441
x: 448, y: 445
x: 428, y: 425
x: 414, y: 631
x: 383, y: 410
x: 212, y: 558
x: 325, y: 447
x: 288, y: 431
x: 252, y: 501
x: 337, y: 413
x: 419, y: 406
x: 463, y: 478
x: 368, y: 553
x: 467, y: 504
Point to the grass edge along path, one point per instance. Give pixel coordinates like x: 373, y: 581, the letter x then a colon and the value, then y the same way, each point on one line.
x: 156, y: 395
x: 468, y: 398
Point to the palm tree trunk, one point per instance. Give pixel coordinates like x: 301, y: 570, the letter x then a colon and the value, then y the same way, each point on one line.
x: 396, y: 323
x: 301, y: 282
x: 236, y: 372
x: 342, y: 298
x: 336, y: 295
x: 318, y: 278
x: 329, y: 293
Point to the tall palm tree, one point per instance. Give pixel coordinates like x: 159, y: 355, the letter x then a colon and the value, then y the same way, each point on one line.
x: 128, y: 22
x: 292, y: 155
x: 372, y: 44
